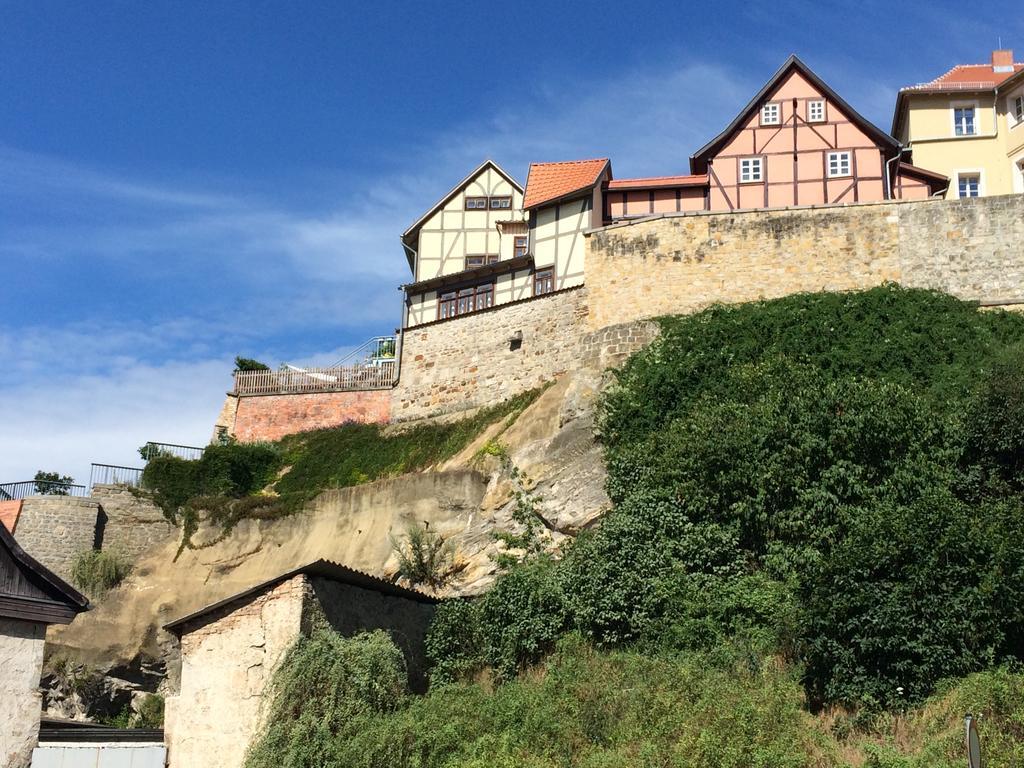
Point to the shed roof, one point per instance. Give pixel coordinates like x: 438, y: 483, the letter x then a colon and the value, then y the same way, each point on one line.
x: 32, y: 592
x: 325, y: 568
x: 549, y: 182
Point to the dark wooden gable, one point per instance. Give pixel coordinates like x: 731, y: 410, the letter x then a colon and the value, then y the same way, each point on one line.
x: 30, y: 591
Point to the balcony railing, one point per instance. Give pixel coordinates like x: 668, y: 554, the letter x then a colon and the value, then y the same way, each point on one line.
x: 377, y: 375
x: 112, y: 474
x: 26, y: 488
x: 188, y: 452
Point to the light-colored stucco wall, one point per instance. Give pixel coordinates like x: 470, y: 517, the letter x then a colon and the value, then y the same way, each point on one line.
x: 226, y: 665
x: 21, y: 659
x: 928, y: 129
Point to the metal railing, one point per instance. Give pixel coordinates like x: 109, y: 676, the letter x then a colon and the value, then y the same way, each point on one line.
x: 189, y: 452
x: 376, y: 375
x: 26, y: 488
x: 112, y: 474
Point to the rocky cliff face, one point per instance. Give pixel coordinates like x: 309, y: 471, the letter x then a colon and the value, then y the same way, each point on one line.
x: 466, y: 500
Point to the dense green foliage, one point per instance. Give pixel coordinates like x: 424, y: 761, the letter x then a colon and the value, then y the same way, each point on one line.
x: 53, y: 483
x: 582, y: 708
x: 832, y: 477
x: 95, y: 571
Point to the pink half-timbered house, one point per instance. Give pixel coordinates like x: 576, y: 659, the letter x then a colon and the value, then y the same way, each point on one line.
x: 797, y: 142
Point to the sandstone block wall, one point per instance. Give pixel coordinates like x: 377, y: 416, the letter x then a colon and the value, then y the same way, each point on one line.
x: 470, y: 361
x: 21, y: 660
x: 973, y: 248
x: 682, y: 263
x: 54, y: 529
x: 610, y: 347
x: 131, y: 524
x: 271, y: 417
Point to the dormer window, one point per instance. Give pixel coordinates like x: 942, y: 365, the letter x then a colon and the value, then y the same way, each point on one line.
x: 476, y: 203
x: 816, y: 111
x: 965, y: 120
x: 771, y: 113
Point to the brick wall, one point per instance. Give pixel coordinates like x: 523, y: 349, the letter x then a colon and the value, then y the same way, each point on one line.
x: 470, y: 361
x: 677, y: 264
x: 271, y: 417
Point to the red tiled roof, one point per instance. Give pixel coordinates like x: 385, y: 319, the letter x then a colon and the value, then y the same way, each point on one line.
x: 967, y: 77
x: 551, y: 181
x: 659, y: 181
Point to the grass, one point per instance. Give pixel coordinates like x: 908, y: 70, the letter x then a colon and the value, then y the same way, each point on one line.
x: 96, y: 572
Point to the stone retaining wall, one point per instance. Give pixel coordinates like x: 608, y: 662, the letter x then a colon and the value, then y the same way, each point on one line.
x: 132, y: 523
x: 55, y: 529
x: 676, y: 264
x: 473, y: 360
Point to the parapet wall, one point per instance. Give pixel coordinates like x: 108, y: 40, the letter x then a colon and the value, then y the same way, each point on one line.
x: 475, y: 360
x: 676, y: 264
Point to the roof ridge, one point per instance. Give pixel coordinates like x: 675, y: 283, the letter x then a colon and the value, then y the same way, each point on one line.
x: 573, y: 162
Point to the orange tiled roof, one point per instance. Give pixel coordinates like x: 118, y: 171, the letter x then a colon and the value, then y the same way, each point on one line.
x: 9, y: 511
x: 551, y: 181
x: 659, y: 181
x: 967, y: 77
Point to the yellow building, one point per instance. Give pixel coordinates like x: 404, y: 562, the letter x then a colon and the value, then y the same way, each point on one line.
x: 968, y: 124
x: 469, y: 252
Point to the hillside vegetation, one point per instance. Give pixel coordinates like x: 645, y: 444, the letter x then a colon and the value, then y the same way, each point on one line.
x: 817, y: 519
x: 236, y: 481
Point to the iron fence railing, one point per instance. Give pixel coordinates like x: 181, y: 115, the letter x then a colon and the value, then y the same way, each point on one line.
x: 377, y: 375
x: 112, y: 474
x: 189, y: 452
x: 26, y: 488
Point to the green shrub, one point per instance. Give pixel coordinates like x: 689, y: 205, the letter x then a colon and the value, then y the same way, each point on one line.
x: 424, y: 557
x: 96, y: 571
x: 248, y: 364
x: 327, y: 686
x: 454, y: 645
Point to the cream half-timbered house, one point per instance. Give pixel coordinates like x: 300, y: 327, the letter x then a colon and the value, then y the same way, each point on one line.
x: 470, y: 251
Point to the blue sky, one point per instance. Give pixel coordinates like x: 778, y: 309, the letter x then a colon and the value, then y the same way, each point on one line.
x: 181, y: 182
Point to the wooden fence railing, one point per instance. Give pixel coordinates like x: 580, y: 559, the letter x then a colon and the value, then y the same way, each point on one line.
x: 338, y: 379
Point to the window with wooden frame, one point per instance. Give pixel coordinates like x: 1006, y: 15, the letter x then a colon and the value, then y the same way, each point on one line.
x: 771, y: 113
x: 1017, y: 110
x: 501, y: 203
x: 838, y: 164
x: 543, y: 281
x: 476, y: 203
x: 521, y: 246
x: 751, y: 169
x: 816, y: 111
x: 465, y: 301
x: 480, y: 259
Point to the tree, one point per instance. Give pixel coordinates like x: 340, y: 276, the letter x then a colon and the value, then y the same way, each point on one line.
x: 248, y: 364
x: 53, y: 483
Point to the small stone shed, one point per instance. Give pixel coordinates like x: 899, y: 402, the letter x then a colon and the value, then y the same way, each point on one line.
x: 229, y: 651
x: 31, y: 598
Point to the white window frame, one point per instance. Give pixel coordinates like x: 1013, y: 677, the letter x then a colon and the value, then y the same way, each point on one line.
x: 839, y: 174
x: 1018, y: 174
x: 953, y: 107
x: 824, y: 113
x: 778, y: 113
x: 979, y: 172
x: 1011, y: 109
x: 759, y: 159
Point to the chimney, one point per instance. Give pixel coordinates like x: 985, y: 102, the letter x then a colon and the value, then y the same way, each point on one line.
x: 1002, y: 61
